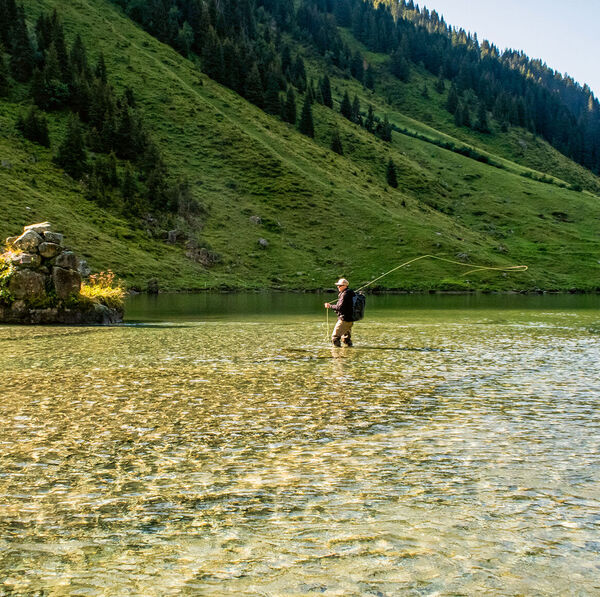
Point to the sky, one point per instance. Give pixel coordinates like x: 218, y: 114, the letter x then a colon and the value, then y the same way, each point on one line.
x: 565, y: 34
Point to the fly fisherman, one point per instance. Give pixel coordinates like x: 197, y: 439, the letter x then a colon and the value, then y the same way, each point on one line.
x: 344, y: 309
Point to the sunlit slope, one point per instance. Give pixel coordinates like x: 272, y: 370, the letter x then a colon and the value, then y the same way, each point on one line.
x: 323, y: 215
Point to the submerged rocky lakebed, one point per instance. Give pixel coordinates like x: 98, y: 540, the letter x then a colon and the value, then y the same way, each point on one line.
x: 216, y: 444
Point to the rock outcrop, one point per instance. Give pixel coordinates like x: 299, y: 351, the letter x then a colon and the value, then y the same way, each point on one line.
x: 40, y: 282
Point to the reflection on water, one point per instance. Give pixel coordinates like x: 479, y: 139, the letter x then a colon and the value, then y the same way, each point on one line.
x: 450, y: 452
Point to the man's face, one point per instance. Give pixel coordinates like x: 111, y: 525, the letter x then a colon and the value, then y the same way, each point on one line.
x: 342, y: 288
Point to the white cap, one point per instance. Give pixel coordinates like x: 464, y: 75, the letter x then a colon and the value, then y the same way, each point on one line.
x: 342, y: 282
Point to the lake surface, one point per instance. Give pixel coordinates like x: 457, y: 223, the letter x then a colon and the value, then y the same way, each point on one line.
x: 217, y: 445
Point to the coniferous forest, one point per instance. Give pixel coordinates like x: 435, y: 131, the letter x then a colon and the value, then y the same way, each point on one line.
x: 240, y: 44
x: 107, y: 146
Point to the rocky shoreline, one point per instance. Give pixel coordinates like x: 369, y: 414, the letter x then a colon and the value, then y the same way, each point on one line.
x: 41, y: 280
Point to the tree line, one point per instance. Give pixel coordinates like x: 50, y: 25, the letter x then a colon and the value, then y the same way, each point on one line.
x: 241, y: 45
x: 107, y: 144
x: 514, y: 89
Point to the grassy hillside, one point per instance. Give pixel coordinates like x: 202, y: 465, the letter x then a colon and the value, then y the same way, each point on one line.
x: 323, y: 215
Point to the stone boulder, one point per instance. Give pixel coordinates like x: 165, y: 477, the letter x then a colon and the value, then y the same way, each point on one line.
x: 67, y: 260
x: 42, y: 282
x: 53, y: 237
x: 40, y: 228
x: 27, y: 284
x: 30, y: 260
x: 28, y: 242
x: 49, y: 250
x: 66, y: 282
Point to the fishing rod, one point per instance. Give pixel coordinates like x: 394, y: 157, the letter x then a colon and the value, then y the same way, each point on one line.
x: 475, y: 268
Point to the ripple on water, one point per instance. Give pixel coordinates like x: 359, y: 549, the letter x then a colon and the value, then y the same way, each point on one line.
x: 252, y: 459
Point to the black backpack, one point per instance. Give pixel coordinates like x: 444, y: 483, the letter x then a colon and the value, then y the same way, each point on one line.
x: 358, y: 306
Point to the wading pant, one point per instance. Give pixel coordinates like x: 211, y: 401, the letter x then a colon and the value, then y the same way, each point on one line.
x: 342, y: 330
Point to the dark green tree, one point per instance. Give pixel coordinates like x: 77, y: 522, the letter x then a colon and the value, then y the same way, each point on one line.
x: 96, y: 191
x: 57, y: 91
x: 72, y: 154
x: 336, y: 142
x: 289, y: 110
x: 482, y: 124
x: 346, y: 106
x: 212, y: 56
x: 185, y: 39
x: 132, y: 205
x: 399, y: 66
x: 425, y: 91
x: 326, y: 92
x: 369, y: 78
x: 306, y: 125
x: 58, y: 40
x: 22, y: 60
x: 356, y: 117
x: 391, y: 175
x: 452, y: 101
x: 299, y: 74
x: 4, y: 76
x: 458, y: 115
x: 370, y: 122
x: 384, y: 129
x: 440, y: 86
x: 100, y: 71
x: 78, y: 57
x: 272, y: 99
x: 34, y: 127
x: 254, y: 91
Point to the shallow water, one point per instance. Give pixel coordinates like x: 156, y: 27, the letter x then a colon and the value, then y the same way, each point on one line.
x: 217, y: 445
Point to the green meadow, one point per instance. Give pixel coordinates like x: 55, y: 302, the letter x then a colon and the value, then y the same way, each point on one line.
x: 323, y: 215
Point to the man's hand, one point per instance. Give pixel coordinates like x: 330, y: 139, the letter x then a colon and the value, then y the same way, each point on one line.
x: 327, y: 306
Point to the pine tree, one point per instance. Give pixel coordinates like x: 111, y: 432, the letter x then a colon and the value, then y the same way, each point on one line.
x: 326, y: 91
x: 185, y: 39
x: 370, y: 122
x: 346, y: 106
x: 57, y: 91
x: 425, y: 91
x: 39, y: 93
x: 399, y: 66
x: 78, y: 57
x: 289, y: 110
x: 452, y: 101
x: 336, y: 142
x: 306, y: 126
x: 272, y: 104
x: 466, y: 116
x: 391, y: 176
x: 384, y: 129
x: 212, y: 56
x: 299, y: 74
x: 254, y: 91
x: 96, y: 191
x: 72, y: 155
x: 4, y: 80
x: 458, y: 115
x: 482, y: 124
x: 35, y: 127
x: 58, y: 40
x: 22, y: 59
x: 129, y: 190
x: 369, y: 78
x: 356, y: 110
x: 440, y: 86
x: 100, y: 71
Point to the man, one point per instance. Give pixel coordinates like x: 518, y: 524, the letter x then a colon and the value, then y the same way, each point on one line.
x: 343, y: 308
